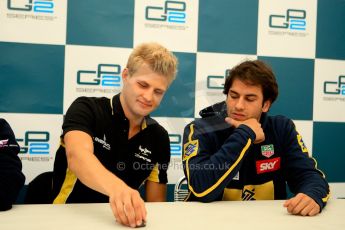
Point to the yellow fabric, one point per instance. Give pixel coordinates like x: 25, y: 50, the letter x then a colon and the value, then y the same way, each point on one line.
x: 154, y: 174
x: 258, y: 192
x: 67, y: 188
x: 325, y: 199
x: 195, y: 150
x: 143, y: 125
x: 301, y: 144
x: 62, y: 143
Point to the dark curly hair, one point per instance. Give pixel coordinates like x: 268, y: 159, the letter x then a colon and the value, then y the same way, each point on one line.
x: 254, y: 73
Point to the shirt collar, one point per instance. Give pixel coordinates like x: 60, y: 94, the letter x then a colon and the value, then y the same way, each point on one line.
x: 263, y: 119
x: 116, y: 107
x: 117, y: 110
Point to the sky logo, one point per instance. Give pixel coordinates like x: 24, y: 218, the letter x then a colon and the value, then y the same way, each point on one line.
x: 293, y: 19
x: 172, y: 11
x: 107, y: 75
x: 335, y: 87
x: 42, y: 6
x: 175, y: 144
x: 35, y: 142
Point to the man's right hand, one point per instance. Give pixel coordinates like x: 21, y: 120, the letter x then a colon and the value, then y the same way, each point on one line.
x: 127, y: 206
x: 126, y: 203
x: 253, y: 124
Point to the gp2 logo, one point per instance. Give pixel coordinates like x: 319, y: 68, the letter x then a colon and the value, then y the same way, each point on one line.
x: 106, y: 75
x: 35, y: 142
x: 338, y: 87
x: 173, y: 11
x: 42, y: 6
x: 294, y: 20
x: 217, y: 82
x: 175, y: 144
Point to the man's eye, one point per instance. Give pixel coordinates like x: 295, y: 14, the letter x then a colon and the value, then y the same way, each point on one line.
x: 142, y: 85
x: 159, y: 92
x: 251, y: 99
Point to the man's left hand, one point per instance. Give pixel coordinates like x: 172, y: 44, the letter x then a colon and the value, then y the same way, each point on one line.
x: 302, y: 205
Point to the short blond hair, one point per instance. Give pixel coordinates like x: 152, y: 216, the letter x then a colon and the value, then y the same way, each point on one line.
x: 158, y: 58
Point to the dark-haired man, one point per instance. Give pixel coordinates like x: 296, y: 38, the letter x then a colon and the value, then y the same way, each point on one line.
x: 237, y: 152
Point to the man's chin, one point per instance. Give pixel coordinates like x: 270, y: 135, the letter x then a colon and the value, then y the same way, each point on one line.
x: 142, y: 108
x: 236, y: 118
x: 144, y: 112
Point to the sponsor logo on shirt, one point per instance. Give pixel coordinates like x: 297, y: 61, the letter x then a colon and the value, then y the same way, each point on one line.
x: 237, y: 176
x: 190, y: 149
x: 268, y: 165
x: 143, y: 154
x: 301, y: 144
x: 248, y: 194
x: 3, y: 143
x: 103, y: 142
x: 267, y: 150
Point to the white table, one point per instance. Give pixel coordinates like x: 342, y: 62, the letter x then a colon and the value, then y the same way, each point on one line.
x: 234, y: 215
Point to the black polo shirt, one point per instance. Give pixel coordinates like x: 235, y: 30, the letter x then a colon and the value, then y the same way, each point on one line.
x: 143, y: 157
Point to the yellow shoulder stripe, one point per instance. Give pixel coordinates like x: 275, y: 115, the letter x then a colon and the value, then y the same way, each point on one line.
x: 191, y: 132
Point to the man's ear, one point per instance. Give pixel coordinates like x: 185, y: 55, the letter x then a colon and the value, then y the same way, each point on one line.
x: 125, y: 74
x: 266, y: 106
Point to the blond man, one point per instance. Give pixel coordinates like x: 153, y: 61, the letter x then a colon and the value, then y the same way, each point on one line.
x: 110, y: 147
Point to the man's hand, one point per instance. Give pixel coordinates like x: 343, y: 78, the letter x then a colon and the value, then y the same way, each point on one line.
x: 127, y: 206
x: 302, y: 205
x: 126, y: 203
x: 251, y: 123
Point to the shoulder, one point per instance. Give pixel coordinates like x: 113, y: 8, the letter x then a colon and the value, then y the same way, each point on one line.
x: 209, y: 124
x: 89, y: 105
x: 3, y: 123
x: 8, y: 141
x: 277, y: 120
x: 87, y: 114
x: 154, y: 127
x: 91, y: 101
x: 5, y: 129
x: 279, y: 123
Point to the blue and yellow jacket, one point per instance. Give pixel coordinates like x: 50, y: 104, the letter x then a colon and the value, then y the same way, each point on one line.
x: 222, y: 163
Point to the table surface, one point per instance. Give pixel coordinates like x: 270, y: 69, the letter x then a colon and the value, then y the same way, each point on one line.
x: 235, y: 215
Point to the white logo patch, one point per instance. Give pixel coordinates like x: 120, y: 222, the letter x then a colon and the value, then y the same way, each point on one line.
x: 143, y: 153
x: 237, y: 176
x: 103, y: 142
x: 3, y: 143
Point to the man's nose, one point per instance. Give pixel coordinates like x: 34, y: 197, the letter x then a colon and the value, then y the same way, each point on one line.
x: 148, y: 95
x: 239, y: 104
